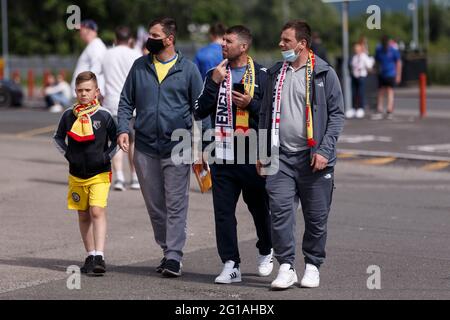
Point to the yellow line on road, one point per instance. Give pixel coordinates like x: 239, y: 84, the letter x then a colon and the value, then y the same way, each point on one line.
x: 436, y: 166
x: 36, y: 132
x: 378, y: 161
x: 346, y: 155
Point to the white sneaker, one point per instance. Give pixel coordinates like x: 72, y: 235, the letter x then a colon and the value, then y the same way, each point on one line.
x: 287, y: 277
x: 311, y: 279
x: 229, y: 274
x: 57, y: 108
x: 360, y: 114
x: 350, y: 114
x: 119, y: 186
x: 134, y: 185
x: 265, y: 264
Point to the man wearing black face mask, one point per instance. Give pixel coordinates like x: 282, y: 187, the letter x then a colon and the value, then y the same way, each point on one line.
x: 162, y: 87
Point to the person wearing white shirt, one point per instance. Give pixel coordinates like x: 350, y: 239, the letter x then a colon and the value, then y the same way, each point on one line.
x: 361, y: 64
x: 92, y: 56
x: 57, y: 94
x: 116, y: 65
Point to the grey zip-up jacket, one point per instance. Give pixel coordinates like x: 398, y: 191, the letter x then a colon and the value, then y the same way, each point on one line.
x: 160, y: 108
x: 327, y: 105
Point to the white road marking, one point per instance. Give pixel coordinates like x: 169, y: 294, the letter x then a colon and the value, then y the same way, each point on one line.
x: 436, y: 148
x: 363, y: 138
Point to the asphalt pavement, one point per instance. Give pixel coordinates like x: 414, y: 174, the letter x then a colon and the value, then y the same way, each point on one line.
x: 390, y: 215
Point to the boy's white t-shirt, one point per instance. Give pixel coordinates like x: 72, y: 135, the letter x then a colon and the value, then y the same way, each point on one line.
x: 117, y: 64
x: 91, y: 60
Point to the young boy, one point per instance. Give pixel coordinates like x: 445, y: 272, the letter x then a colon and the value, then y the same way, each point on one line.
x: 88, y: 128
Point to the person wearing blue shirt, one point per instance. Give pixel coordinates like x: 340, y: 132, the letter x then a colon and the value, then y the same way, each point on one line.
x: 389, y: 74
x: 210, y: 56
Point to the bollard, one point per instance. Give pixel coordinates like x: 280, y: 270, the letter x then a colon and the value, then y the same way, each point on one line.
x: 2, y: 69
x: 423, y: 95
x: 46, y: 76
x: 30, y: 83
x: 16, y: 76
x: 63, y: 73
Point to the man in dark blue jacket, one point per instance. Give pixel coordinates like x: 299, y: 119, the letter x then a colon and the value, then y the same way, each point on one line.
x: 162, y: 87
x: 231, y: 98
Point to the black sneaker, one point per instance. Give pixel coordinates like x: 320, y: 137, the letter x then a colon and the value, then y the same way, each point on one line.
x: 161, y: 266
x: 88, y: 265
x: 99, y: 265
x: 172, y: 269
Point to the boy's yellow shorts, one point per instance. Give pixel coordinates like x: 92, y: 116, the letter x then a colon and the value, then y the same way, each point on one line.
x: 86, y: 193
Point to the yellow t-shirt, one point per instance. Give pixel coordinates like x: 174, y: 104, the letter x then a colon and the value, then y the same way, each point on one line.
x: 162, y: 68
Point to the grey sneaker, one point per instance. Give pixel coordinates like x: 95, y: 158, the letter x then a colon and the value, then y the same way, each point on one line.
x: 119, y: 185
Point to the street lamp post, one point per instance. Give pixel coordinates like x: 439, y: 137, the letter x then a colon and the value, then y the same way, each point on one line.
x: 346, y: 81
x: 426, y: 18
x: 413, y: 6
x: 285, y: 9
x: 5, y: 38
x: 346, y: 57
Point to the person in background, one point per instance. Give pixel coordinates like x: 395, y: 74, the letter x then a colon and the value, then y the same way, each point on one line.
x: 364, y: 44
x: 117, y: 63
x: 210, y: 56
x: 57, y: 94
x: 389, y: 65
x: 92, y: 56
x: 317, y: 47
x: 360, y: 65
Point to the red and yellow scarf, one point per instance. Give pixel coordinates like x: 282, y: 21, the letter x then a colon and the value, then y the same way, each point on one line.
x: 276, y: 108
x: 82, y: 130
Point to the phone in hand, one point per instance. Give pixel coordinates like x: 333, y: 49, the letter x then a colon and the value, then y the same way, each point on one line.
x: 239, y: 87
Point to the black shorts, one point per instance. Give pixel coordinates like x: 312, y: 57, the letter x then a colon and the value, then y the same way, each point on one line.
x: 386, y: 82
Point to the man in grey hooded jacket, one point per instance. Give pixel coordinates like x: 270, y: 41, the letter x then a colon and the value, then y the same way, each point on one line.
x: 303, y: 119
x: 162, y: 87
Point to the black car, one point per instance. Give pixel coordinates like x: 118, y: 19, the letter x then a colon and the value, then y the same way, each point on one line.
x: 11, y: 94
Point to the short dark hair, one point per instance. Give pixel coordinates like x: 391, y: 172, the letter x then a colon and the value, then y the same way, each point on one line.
x: 169, y: 26
x: 85, y: 77
x: 123, y: 34
x: 302, y: 30
x: 217, y: 30
x: 242, y: 32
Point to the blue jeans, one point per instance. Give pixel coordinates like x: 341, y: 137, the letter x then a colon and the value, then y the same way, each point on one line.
x: 60, y: 98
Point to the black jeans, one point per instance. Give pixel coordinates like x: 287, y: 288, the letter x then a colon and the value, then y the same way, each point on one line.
x: 228, y: 182
x: 358, y: 90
